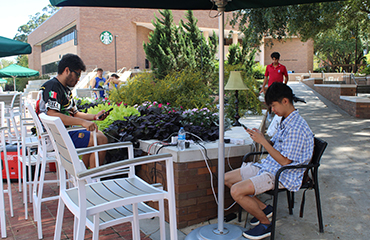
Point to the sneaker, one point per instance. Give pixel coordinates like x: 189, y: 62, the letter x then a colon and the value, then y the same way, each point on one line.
x: 268, y: 212
x: 258, y: 232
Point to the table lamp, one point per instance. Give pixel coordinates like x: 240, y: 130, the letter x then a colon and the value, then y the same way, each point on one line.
x: 236, y: 83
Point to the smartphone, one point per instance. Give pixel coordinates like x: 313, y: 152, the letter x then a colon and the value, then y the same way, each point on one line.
x: 105, y: 113
x: 245, y: 127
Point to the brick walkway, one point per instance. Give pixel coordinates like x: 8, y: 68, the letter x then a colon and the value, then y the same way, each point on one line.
x: 18, y: 228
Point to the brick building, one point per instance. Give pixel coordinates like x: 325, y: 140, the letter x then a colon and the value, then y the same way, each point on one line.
x: 78, y: 30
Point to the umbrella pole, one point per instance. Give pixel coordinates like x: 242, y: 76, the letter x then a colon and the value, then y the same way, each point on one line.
x: 15, y: 87
x: 221, y: 144
x: 219, y: 231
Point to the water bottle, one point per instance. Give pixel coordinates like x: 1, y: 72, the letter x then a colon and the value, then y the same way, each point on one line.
x: 181, y: 139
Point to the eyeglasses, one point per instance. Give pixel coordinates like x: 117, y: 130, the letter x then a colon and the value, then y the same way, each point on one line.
x: 78, y: 74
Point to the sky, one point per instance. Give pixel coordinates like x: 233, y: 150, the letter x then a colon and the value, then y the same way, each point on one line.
x: 15, y: 13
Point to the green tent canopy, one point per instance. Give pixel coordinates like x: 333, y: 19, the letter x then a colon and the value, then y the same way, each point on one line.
x: 10, y: 47
x: 3, y: 80
x: 15, y: 70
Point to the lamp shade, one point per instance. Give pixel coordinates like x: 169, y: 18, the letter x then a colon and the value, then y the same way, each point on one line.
x: 235, y: 82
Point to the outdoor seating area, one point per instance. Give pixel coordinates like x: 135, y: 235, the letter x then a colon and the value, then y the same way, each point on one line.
x: 26, y: 221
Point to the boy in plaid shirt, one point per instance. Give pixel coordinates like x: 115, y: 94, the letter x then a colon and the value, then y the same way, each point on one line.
x: 291, y: 145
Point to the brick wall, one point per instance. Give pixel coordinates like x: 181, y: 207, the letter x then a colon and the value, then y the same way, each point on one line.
x: 296, y: 55
x: 334, y: 92
x: 194, y: 198
x: 91, y: 22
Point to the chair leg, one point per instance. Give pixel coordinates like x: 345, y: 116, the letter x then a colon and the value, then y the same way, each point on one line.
x: 288, y: 197
x: 318, y: 202
x: 96, y: 227
x: 162, y: 225
x: 2, y: 211
x: 35, y: 186
x: 39, y: 198
x: 81, y: 225
x: 8, y: 183
x: 59, y: 221
x: 24, y: 183
x: 240, y: 213
x: 135, y: 222
x: 276, y: 194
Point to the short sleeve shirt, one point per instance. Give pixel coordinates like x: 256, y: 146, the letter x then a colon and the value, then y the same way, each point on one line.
x: 295, y: 141
x: 275, y: 74
x: 53, y: 95
x: 99, y: 82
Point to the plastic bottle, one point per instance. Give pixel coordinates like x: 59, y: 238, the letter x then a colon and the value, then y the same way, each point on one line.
x: 181, y: 139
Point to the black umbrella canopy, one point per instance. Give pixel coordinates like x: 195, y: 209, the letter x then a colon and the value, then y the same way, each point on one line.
x: 10, y: 47
x: 185, y: 5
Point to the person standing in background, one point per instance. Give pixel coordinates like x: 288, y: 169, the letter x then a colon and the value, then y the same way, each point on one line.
x: 275, y: 72
x: 98, y: 82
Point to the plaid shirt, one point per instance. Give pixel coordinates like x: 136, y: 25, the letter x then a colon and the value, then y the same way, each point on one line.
x: 293, y: 140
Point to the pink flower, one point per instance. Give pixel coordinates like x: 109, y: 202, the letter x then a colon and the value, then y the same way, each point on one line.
x: 109, y: 103
x: 168, y: 103
x: 160, y: 105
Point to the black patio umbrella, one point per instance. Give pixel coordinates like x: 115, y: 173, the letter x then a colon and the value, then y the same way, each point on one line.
x: 210, y: 231
x: 10, y: 47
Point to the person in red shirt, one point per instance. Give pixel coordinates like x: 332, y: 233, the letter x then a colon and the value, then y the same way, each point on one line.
x: 275, y: 72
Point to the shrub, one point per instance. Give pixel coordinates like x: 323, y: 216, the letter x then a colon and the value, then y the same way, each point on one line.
x: 182, y: 89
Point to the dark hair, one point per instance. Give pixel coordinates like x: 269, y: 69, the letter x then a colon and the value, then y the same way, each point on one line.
x: 72, y: 61
x: 99, y: 69
x: 114, y: 75
x: 275, y: 55
x: 276, y: 92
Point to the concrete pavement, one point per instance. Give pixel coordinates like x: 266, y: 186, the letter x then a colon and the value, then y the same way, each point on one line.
x: 344, y: 176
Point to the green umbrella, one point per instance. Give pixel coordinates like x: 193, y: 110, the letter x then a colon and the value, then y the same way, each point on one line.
x: 15, y: 70
x: 10, y: 47
x: 209, y: 231
x: 3, y: 80
x: 185, y: 5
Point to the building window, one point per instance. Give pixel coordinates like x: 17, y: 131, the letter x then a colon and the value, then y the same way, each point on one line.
x: 50, y: 68
x: 70, y: 34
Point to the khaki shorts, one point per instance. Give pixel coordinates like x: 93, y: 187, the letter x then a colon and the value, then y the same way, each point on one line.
x: 262, y: 183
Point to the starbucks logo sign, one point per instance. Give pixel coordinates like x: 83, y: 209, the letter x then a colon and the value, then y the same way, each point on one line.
x: 106, y: 37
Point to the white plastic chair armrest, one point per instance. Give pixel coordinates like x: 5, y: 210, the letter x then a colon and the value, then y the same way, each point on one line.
x: 103, y: 147
x: 122, y: 164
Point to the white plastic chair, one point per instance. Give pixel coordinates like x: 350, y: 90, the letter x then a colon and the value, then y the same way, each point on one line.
x: 3, y: 128
x: 102, y: 204
x: 26, y: 160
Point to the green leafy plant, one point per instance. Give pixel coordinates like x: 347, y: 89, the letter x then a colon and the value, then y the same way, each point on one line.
x: 184, y: 89
x: 119, y: 112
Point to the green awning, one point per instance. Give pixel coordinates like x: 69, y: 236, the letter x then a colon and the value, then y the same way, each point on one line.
x: 15, y: 70
x: 10, y: 47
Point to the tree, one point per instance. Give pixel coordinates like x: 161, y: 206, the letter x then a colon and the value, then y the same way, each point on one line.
x: 34, y: 21
x: 172, y: 48
x: 5, y: 62
x: 25, y: 29
x: 309, y: 21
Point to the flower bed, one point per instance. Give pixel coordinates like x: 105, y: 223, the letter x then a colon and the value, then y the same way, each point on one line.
x: 154, y: 121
